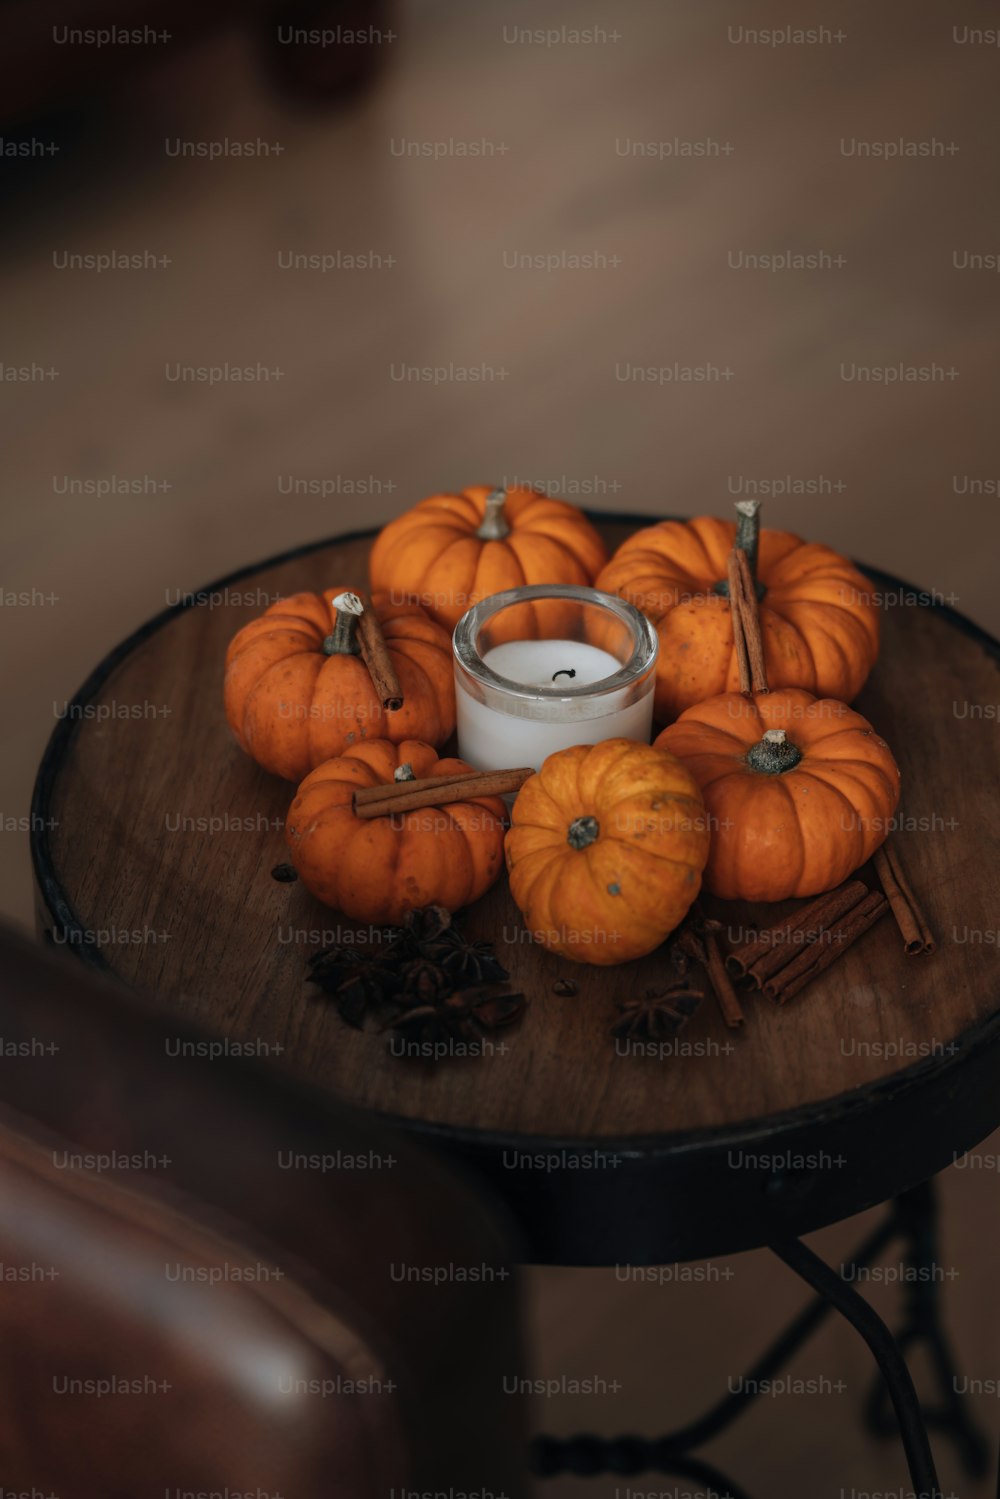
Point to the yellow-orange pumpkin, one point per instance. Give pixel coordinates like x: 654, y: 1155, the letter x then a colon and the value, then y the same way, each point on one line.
x: 376, y: 869
x: 606, y: 849
x: 297, y: 695
x: 453, y: 549
x: 818, y: 620
x: 800, y: 791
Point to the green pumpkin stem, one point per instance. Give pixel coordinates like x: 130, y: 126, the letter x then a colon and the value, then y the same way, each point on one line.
x: 582, y: 832
x: 774, y: 754
x: 343, y: 638
x: 494, y: 525
x: 404, y: 772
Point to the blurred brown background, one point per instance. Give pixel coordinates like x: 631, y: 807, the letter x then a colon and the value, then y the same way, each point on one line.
x: 665, y: 146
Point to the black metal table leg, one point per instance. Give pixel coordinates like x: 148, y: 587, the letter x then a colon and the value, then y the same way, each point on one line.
x: 902, y: 1391
x: 911, y: 1219
x: 916, y: 1216
x: 773, y: 1359
x: 629, y: 1455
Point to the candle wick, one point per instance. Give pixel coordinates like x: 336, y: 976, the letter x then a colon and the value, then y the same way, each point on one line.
x: 566, y: 672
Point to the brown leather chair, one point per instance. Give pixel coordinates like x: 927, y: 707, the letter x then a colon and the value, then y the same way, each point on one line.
x: 200, y: 1284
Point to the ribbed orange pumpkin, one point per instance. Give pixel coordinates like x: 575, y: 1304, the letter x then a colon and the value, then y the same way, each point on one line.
x: 376, y: 869
x: 296, y: 695
x: 606, y: 850
x: 819, y: 624
x: 800, y: 791
x: 453, y: 549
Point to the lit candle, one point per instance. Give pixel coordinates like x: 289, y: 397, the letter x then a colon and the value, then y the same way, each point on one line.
x: 520, y: 699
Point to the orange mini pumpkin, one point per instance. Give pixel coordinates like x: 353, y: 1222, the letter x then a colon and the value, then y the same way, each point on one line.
x: 297, y: 693
x: 818, y: 619
x: 376, y: 869
x: 800, y: 791
x: 606, y: 850
x: 453, y: 549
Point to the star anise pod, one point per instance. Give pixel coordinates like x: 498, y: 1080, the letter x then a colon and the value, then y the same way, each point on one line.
x: 657, y: 1015
x: 494, y: 1005
x: 462, y: 1015
x: 394, y: 946
x: 357, y: 981
x: 465, y: 960
x: 426, y: 924
x: 448, y: 1018
x: 423, y: 982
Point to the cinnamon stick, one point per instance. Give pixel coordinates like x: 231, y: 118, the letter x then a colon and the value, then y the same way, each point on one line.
x: 736, y: 610
x: 917, y: 935
x: 772, y: 949
x: 722, y: 985
x: 697, y: 940
x: 405, y: 777
x: 375, y: 654
x: 750, y: 621
x: 816, y: 958
x: 436, y: 791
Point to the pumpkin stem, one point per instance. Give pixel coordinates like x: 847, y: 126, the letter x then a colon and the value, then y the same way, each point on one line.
x: 494, y: 525
x: 747, y: 540
x: 582, y: 832
x: 343, y: 639
x: 774, y: 754
x: 748, y: 531
x: 404, y: 772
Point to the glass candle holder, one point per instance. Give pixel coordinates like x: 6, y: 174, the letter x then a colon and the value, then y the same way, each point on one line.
x: 541, y: 668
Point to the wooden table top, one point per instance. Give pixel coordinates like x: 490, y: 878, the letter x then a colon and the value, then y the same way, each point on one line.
x: 162, y: 827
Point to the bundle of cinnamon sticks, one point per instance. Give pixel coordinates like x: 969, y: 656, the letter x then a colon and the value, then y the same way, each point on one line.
x: 781, y: 960
x: 917, y: 936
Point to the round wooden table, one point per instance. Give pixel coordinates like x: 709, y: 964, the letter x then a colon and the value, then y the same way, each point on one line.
x: 154, y: 843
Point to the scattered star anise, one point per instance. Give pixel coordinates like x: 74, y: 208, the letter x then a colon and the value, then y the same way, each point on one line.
x: 464, y: 959
x: 658, y: 1014
x: 423, y: 982
x: 426, y: 924
x: 462, y: 1015
x: 424, y: 979
x: 358, y: 982
x: 494, y: 1005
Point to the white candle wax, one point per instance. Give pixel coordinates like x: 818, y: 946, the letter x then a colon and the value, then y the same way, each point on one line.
x: 551, y: 663
x: 524, y: 732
